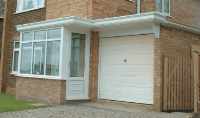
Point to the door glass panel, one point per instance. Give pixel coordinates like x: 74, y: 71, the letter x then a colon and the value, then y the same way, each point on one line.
x: 77, y: 63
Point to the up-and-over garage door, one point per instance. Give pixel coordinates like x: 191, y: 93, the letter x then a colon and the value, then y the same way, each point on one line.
x: 126, y: 68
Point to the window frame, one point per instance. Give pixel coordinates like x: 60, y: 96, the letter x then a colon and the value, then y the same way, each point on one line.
x: 163, y: 8
x: 13, y: 61
x: 22, y: 9
x: 46, y: 40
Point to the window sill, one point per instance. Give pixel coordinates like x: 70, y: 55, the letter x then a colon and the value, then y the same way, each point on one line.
x: 38, y: 76
x: 19, y: 12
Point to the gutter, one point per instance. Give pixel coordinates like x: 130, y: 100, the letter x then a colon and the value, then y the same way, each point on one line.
x: 181, y: 27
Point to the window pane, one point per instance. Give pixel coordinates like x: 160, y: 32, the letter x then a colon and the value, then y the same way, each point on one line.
x: 159, y: 5
x: 77, y: 64
x: 40, y: 2
x: 16, y: 57
x: 166, y: 6
x: 53, y: 57
x: 26, y: 58
x: 19, y: 5
x: 29, y: 4
x: 40, y: 35
x: 17, y: 45
x: 38, y: 58
x: 27, y: 36
x: 54, y: 33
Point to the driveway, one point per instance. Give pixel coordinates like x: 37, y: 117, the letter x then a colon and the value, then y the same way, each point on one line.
x: 90, y: 110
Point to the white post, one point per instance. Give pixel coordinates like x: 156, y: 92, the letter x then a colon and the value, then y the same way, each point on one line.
x: 138, y: 6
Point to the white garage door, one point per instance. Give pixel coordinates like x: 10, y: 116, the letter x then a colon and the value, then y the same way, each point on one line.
x: 126, y: 71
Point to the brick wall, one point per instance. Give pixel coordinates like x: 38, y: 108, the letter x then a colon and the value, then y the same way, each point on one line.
x: 94, y: 60
x: 11, y: 34
x: 65, y: 8
x: 1, y: 32
x: 185, y: 12
x: 1, y: 7
x: 90, y: 9
x: 109, y: 8
x: 171, y: 41
x: 148, y: 6
x: 41, y: 90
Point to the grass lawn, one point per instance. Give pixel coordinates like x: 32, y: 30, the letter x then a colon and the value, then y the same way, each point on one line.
x: 9, y: 103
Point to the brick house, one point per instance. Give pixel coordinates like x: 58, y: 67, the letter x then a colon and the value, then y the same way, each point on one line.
x: 57, y: 51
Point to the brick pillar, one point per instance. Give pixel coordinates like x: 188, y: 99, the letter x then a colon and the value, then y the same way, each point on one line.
x: 5, y: 45
x: 94, y: 59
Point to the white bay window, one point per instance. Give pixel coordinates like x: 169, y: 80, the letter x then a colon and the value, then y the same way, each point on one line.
x: 26, y: 5
x: 40, y: 53
x: 16, y: 56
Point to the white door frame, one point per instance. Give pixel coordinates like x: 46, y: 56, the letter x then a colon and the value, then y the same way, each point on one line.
x: 86, y: 70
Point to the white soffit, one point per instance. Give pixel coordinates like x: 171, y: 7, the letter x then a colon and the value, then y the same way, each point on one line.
x: 154, y: 19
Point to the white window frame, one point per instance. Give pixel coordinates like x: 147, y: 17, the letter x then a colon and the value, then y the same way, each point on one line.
x: 163, y: 8
x: 22, y: 6
x: 15, y: 50
x: 46, y: 40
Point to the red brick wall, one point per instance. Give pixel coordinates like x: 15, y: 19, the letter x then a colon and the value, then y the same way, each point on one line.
x: 65, y: 8
x: 41, y: 90
x: 148, y: 6
x: 185, y: 12
x: 11, y: 34
x: 112, y: 8
x: 171, y: 41
x: 94, y: 61
x: 90, y: 9
x: 1, y: 32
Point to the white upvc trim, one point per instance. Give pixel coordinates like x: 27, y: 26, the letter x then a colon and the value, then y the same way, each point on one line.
x: 1, y: 16
x: 38, y: 76
x: 139, y: 19
x: 181, y: 27
x: 138, y: 7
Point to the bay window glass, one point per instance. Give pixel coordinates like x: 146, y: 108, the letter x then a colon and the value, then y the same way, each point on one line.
x: 26, y: 58
x: 53, y: 57
x: 16, y: 56
x: 54, y: 33
x: 27, y: 36
x: 38, y: 58
x: 159, y: 5
x: 40, y: 35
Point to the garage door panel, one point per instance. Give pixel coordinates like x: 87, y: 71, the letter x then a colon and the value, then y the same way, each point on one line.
x: 128, y: 99
x: 122, y: 68
x: 127, y: 73
x: 125, y: 78
x: 130, y: 81
x: 129, y: 57
x: 119, y: 52
x: 120, y: 62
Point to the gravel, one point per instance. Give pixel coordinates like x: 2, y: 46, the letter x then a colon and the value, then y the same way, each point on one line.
x: 73, y: 111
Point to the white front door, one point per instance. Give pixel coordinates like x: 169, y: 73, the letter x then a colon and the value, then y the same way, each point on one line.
x: 77, y: 82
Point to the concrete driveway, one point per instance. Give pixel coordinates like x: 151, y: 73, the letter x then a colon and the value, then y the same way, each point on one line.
x: 91, y: 110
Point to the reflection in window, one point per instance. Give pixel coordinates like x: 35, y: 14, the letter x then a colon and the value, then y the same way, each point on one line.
x: 29, y: 4
x: 38, y: 58
x: 54, y: 33
x: 40, y: 35
x: 26, y: 58
x: 53, y: 57
x: 16, y: 57
x: 163, y: 6
x: 77, y: 63
x: 27, y: 36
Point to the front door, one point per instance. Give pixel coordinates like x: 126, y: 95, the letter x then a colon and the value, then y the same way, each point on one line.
x: 77, y: 87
